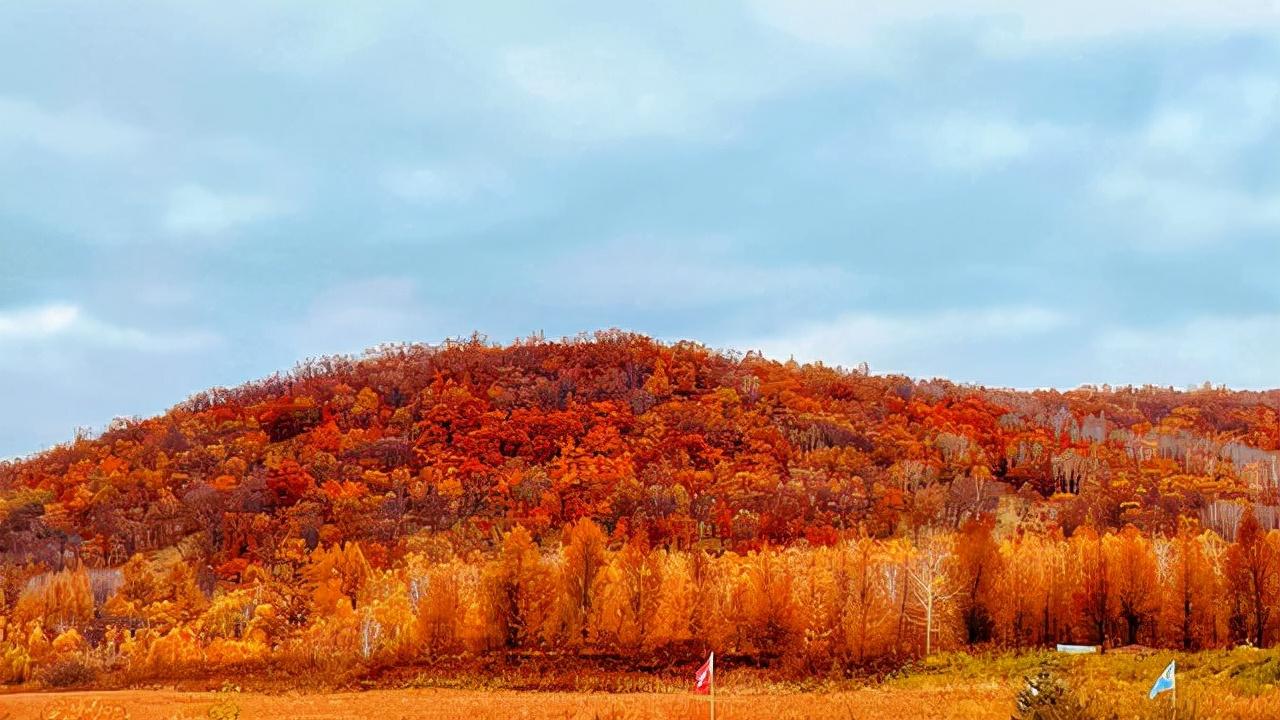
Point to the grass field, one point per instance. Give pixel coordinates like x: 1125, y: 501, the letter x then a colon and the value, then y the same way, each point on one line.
x: 1231, y: 685
x: 992, y: 702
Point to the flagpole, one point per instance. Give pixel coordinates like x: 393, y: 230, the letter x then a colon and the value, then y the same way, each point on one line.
x: 713, y: 686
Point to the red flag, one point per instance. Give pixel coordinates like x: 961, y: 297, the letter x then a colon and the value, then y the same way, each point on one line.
x: 705, y: 676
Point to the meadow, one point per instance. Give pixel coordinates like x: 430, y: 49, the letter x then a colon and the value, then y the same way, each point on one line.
x: 1236, y: 684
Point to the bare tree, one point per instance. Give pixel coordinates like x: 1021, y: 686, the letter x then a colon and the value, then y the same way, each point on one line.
x: 370, y: 635
x: 928, y: 581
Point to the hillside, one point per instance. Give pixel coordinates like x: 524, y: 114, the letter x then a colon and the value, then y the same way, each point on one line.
x: 242, y: 517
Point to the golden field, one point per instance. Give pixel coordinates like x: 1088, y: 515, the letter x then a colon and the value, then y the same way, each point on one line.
x: 1231, y: 685
x: 441, y: 704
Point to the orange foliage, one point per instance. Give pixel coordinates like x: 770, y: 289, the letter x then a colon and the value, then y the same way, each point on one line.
x: 616, y: 495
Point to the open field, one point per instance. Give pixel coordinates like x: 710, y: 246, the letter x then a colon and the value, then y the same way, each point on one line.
x: 1231, y: 685
x: 988, y: 702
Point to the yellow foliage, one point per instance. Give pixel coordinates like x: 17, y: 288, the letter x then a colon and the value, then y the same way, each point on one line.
x: 173, y: 650
x: 37, y: 644
x: 450, y: 488
x: 329, y: 599
x: 337, y: 574
x: 366, y: 402
x: 227, y: 616
x: 68, y: 642
x: 134, y: 644
x: 225, y: 710
x: 228, y: 652
x: 163, y: 614
x: 658, y: 385
x: 63, y: 599
x: 15, y: 665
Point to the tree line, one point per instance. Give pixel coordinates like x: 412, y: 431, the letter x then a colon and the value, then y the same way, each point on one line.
x: 858, y: 603
x: 420, y: 502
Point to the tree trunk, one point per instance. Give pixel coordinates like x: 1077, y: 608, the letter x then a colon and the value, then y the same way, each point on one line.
x: 928, y: 627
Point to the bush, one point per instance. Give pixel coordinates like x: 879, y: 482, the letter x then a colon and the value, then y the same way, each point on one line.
x: 1257, y: 676
x: 1046, y: 697
x: 225, y: 710
x: 71, y: 671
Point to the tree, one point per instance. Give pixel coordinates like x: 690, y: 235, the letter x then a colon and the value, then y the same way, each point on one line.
x: 1191, y: 588
x: 1094, y: 596
x: 976, y: 568
x: 769, y: 608
x: 1252, y: 563
x: 658, y: 385
x: 929, y: 580
x: 1018, y: 590
x: 336, y: 576
x: 898, y: 554
x: 816, y: 621
x: 631, y: 594
x: 518, y: 597
x: 869, y: 603
x: 441, y: 592
x: 61, y: 600
x: 678, y: 602
x: 584, y: 558
x: 1132, y: 569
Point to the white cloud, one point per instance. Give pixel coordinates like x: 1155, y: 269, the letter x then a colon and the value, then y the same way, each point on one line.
x: 1211, y: 120
x: 1179, y: 212
x: 72, y: 132
x: 65, y: 323
x: 1183, y: 175
x: 80, y: 370
x: 295, y: 36
x: 172, y: 292
x: 973, y: 143
x: 656, y: 272
x: 1239, y: 351
x: 361, y: 314
x: 197, y: 210
x: 598, y: 92
x: 38, y: 322
x: 446, y: 183
x: 1012, y: 25
x: 904, y: 342
x: 1175, y: 130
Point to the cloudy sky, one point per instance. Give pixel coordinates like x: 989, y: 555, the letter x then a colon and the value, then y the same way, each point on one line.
x: 995, y: 191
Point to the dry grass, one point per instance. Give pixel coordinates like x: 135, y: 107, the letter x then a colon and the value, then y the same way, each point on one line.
x: 993, y: 702
x: 1235, y: 685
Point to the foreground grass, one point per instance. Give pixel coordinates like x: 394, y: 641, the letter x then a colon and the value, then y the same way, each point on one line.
x: 1228, y: 684
x: 440, y: 704
x: 1235, y: 684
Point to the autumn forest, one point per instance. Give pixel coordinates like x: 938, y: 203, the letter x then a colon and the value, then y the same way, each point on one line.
x: 614, y: 499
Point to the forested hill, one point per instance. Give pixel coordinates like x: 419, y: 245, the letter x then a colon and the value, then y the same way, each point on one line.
x: 680, y: 443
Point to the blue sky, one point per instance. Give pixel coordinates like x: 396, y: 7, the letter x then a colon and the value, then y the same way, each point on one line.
x: 1019, y: 194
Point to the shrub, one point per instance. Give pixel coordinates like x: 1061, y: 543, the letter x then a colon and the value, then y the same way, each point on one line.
x: 71, y: 671
x: 1257, y: 676
x: 15, y: 665
x: 225, y: 710
x: 1046, y: 697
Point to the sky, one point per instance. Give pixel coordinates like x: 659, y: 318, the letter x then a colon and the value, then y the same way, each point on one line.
x: 1017, y: 194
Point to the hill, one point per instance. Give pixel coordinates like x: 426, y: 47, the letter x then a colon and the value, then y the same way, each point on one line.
x: 243, y: 517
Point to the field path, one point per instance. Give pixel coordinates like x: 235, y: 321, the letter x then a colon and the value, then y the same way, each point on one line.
x: 968, y: 703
